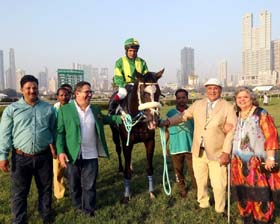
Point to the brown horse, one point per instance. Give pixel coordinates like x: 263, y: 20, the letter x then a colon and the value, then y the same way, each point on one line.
x: 142, y: 104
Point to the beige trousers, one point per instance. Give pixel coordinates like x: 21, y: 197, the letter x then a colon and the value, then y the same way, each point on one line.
x: 203, y: 168
x: 58, y: 180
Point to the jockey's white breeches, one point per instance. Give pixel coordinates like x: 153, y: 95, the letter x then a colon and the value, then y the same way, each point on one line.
x: 122, y: 93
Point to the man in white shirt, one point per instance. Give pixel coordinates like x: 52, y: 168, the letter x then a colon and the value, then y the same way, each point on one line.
x: 80, y: 141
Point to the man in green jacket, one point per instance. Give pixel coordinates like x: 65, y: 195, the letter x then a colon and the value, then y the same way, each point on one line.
x: 124, y: 72
x: 80, y: 141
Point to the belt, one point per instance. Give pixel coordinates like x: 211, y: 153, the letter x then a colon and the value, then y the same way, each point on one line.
x: 20, y: 152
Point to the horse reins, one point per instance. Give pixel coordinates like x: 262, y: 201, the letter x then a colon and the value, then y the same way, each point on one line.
x: 128, y: 121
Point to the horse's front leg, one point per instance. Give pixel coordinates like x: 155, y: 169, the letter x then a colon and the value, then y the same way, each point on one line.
x: 127, y: 172
x: 117, y: 141
x: 150, y: 148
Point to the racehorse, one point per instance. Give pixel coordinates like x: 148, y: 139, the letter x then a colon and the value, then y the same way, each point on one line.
x: 142, y: 104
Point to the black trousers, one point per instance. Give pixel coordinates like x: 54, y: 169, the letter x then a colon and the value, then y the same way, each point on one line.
x: 82, y: 184
x: 23, y: 169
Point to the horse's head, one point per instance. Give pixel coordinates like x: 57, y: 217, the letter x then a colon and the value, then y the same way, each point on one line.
x: 148, y: 93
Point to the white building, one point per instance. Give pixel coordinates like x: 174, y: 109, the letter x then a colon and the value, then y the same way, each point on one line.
x: 52, y: 85
x: 222, y: 72
x: 11, y: 72
x: 256, y: 51
x: 2, y: 74
x: 19, y: 74
x: 275, y: 46
x: 193, y: 81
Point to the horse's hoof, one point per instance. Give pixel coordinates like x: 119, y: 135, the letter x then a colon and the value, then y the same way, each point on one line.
x: 152, y: 195
x: 120, y: 169
x: 125, y: 200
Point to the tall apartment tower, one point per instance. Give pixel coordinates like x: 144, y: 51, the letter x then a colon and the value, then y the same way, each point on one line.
x: 222, y: 72
x: 275, y: 47
x: 43, y: 77
x: 103, y: 79
x: 2, y: 80
x: 11, y: 74
x: 95, y: 72
x: 256, y: 51
x: 19, y: 74
x: 88, y: 72
x: 187, y: 64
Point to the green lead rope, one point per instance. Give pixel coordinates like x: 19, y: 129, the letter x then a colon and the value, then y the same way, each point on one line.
x: 128, y: 124
x: 165, y: 177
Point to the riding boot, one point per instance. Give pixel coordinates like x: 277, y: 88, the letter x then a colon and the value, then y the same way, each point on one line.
x: 113, y: 106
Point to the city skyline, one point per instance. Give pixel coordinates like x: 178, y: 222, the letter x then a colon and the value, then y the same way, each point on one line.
x: 92, y: 32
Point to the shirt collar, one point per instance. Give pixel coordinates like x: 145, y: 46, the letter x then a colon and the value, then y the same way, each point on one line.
x: 79, y: 108
x: 22, y: 101
x: 214, y: 102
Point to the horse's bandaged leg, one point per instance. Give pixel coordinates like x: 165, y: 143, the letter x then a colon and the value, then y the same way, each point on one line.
x: 151, y: 184
x: 126, y: 187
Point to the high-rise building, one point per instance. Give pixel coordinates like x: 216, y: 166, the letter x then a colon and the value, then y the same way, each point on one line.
x: 19, y: 74
x: 103, y: 79
x: 52, y: 85
x: 11, y: 74
x: 88, y: 72
x: 69, y: 76
x: 2, y: 80
x: 179, y: 77
x: 95, y: 77
x: 275, y: 47
x: 193, y: 81
x: 187, y: 65
x: 222, y: 72
x: 256, y: 51
x: 43, y: 79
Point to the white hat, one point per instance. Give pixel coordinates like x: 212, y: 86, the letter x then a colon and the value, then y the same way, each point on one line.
x: 214, y: 82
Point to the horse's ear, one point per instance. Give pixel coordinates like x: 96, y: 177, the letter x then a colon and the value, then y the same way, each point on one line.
x: 159, y: 74
x: 137, y: 74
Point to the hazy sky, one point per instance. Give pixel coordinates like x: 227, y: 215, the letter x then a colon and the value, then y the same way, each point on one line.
x: 56, y: 33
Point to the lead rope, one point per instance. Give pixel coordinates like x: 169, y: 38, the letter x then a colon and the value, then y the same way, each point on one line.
x: 128, y: 124
x: 165, y: 177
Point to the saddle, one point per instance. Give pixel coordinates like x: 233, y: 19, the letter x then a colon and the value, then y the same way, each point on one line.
x: 124, y: 104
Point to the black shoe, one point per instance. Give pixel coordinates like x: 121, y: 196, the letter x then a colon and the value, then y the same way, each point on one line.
x: 48, y: 220
x: 89, y: 214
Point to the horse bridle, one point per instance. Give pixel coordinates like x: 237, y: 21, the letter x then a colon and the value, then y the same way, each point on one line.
x: 153, y: 106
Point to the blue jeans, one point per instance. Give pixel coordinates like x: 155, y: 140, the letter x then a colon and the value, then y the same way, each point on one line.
x: 82, y: 184
x: 23, y: 169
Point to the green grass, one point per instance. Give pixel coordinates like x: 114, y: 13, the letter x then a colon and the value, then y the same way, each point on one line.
x: 141, y: 209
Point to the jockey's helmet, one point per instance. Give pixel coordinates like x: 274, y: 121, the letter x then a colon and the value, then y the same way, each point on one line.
x: 131, y: 43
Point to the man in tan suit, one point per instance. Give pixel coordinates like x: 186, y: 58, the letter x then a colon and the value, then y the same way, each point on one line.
x: 211, y: 142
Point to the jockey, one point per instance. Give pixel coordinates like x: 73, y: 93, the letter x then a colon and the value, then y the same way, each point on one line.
x: 124, y: 71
